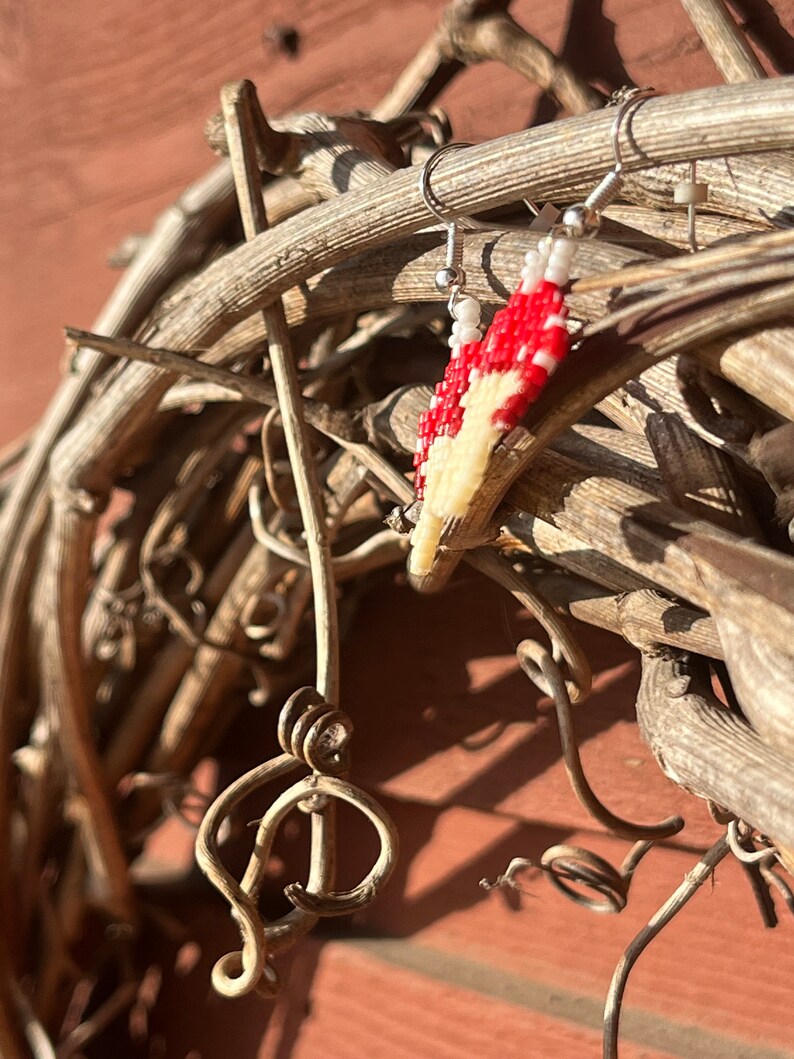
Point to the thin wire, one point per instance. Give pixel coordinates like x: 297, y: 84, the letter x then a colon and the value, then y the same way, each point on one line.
x: 631, y: 99
x: 436, y: 206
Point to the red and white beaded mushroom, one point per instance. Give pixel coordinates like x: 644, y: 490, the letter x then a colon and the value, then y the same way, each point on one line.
x: 487, y: 388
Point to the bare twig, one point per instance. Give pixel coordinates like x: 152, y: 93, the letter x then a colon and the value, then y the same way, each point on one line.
x: 238, y: 107
x: 472, y: 31
x: 317, y: 413
x: 724, y: 41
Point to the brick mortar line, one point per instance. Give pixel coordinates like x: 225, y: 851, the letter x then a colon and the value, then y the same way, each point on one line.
x: 639, y: 1027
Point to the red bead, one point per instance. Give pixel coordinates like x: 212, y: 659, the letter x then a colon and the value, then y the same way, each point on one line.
x: 515, y: 406
x: 530, y: 390
x: 555, y: 342
x: 536, y: 375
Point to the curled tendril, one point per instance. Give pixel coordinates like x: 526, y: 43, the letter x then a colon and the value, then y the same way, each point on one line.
x: 545, y: 674
x: 315, y: 734
x: 341, y: 903
x: 568, y: 867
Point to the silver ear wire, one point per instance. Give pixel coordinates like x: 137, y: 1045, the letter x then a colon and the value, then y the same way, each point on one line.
x: 429, y: 197
x: 451, y: 279
x: 584, y: 218
x: 461, y: 222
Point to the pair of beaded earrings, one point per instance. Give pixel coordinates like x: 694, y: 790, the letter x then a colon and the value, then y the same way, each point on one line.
x: 489, y: 383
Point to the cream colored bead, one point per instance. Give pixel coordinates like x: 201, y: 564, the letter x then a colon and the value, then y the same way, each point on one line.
x: 424, y: 542
x: 689, y: 194
x: 530, y: 277
x: 564, y: 248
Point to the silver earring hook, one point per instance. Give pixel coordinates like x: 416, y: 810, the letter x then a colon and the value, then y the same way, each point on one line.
x: 462, y: 220
x: 629, y: 98
x: 689, y: 193
x: 451, y: 279
x: 583, y: 219
x: 429, y: 197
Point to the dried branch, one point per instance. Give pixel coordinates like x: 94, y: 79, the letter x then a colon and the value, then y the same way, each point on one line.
x: 711, y: 752
x: 237, y: 111
x: 473, y: 31
x: 644, y: 617
x: 724, y: 41
x: 688, y: 557
x: 326, y: 155
x: 317, y: 413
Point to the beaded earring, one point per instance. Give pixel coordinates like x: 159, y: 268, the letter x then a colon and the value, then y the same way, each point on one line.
x: 489, y: 383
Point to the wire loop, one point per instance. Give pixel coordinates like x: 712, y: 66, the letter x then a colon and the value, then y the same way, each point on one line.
x: 311, y: 732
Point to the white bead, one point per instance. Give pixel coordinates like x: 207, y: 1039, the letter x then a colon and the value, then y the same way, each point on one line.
x: 453, y: 342
x: 564, y: 247
x: 530, y: 274
x: 556, y: 275
x: 455, y: 327
x: 545, y: 360
x: 470, y: 334
x: 474, y: 374
x: 521, y: 356
x: 532, y: 258
x: 554, y: 321
x: 560, y: 261
x: 467, y: 310
x: 561, y: 253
